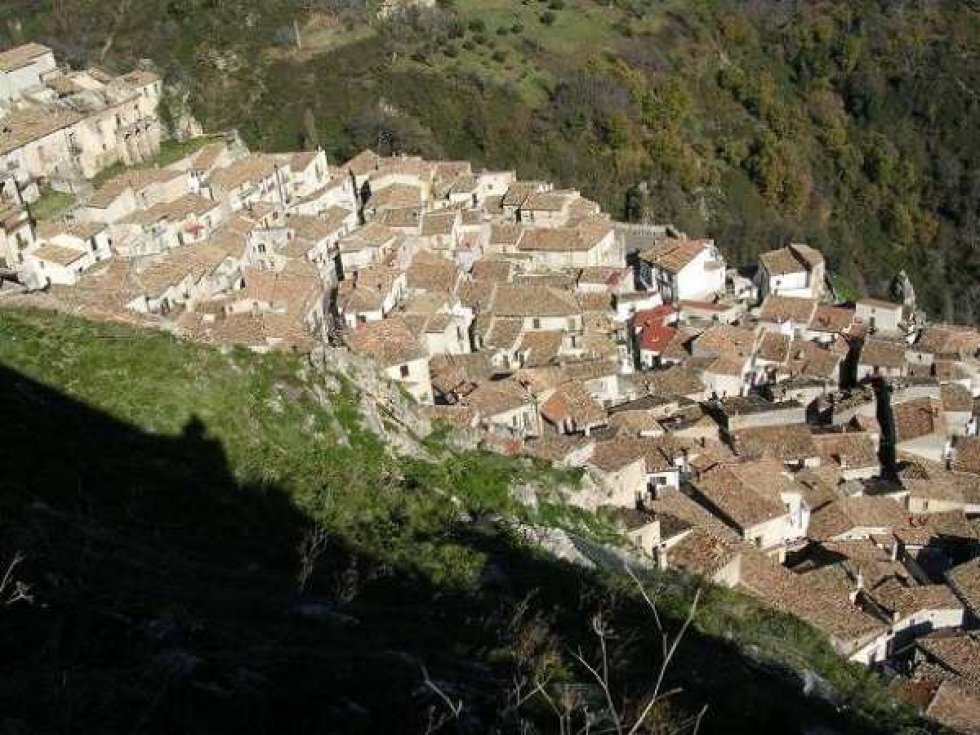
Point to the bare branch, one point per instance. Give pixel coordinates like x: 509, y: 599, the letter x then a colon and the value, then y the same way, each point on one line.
x: 454, y: 707
x: 13, y: 590
x: 666, y: 662
x: 604, y: 685
x: 651, y: 604
x: 539, y: 688
x: 697, y: 724
x: 310, y: 549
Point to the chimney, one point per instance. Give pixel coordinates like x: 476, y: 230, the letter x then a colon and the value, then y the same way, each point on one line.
x: 662, y: 559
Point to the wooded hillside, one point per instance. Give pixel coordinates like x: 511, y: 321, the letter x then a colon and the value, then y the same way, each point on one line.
x: 848, y: 124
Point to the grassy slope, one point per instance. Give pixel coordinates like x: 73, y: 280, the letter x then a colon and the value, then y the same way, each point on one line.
x: 161, y: 490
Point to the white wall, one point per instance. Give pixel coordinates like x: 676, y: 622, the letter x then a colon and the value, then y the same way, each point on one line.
x: 523, y: 420
x: 884, y: 320
x: 14, y: 82
x: 623, y: 486
x: 417, y: 380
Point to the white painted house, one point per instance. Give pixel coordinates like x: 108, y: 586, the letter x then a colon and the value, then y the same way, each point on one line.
x: 683, y: 269
x: 796, y: 270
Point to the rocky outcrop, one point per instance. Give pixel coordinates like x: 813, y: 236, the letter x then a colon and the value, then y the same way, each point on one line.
x: 385, y: 409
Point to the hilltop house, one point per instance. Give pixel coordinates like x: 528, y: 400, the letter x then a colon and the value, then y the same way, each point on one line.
x: 189, y: 219
x: 588, y: 244
x: 879, y: 316
x: 16, y: 231
x: 63, y: 252
x: 249, y: 180
x: 65, y: 125
x: 391, y: 344
x: 759, y: 501
x: 134, y: 190
x: 370, y: 294
x: 504, y: 406
x: 796, y: 270
x: 366, y: 246
x: 679, y: 268
x: 23, y: 68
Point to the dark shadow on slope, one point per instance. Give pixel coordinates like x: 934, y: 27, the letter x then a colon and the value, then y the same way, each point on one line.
x: 166, y: 600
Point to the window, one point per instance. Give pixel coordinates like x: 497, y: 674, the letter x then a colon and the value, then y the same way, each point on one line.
x: 403, y: 371
x: 536, y: 324
x: 757, y: 541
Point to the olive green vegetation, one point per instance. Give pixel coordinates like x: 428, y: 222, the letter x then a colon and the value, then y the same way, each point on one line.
x: 847, y: 124
x: 213, y: 542
x: 51, y: 204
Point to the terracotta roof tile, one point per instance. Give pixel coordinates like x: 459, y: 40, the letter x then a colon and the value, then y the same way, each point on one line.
x: 860, y: 511
x: 673, y: 255
x: 957, y: 706
x: 389, y: 342
x: 967, y: 456
x: 494, y: 397
x: 832, y: 318
x: 796, y: 258
x: 738, y: 498
x: 917, y: 418
x: 573, y: 403
x: 527, y: 301
x: 57, y: 254
x: 793, y: 443
x: 775, y: 585
x: 882, y: 353
x: 20, y: 56
x: 965, y: 581
x: 777, y: 309
x: 847, y: 450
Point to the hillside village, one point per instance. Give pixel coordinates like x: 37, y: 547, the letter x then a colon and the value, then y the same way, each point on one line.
x: 821, y: 456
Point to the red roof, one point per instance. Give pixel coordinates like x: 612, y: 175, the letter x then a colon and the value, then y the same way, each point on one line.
x: 656, y: 337
x: 656, y: 315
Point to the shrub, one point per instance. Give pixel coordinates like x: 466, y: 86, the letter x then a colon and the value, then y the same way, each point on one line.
x: 548, y: 17
x: 499, y: 56
x: 477, y: 25
x: 556, y: 4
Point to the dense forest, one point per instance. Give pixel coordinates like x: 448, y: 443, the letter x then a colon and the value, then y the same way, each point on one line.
x: 845, y: 123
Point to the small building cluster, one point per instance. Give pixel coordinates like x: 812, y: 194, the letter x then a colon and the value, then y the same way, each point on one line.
x: 820, y: 456
x: 59, y: 127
